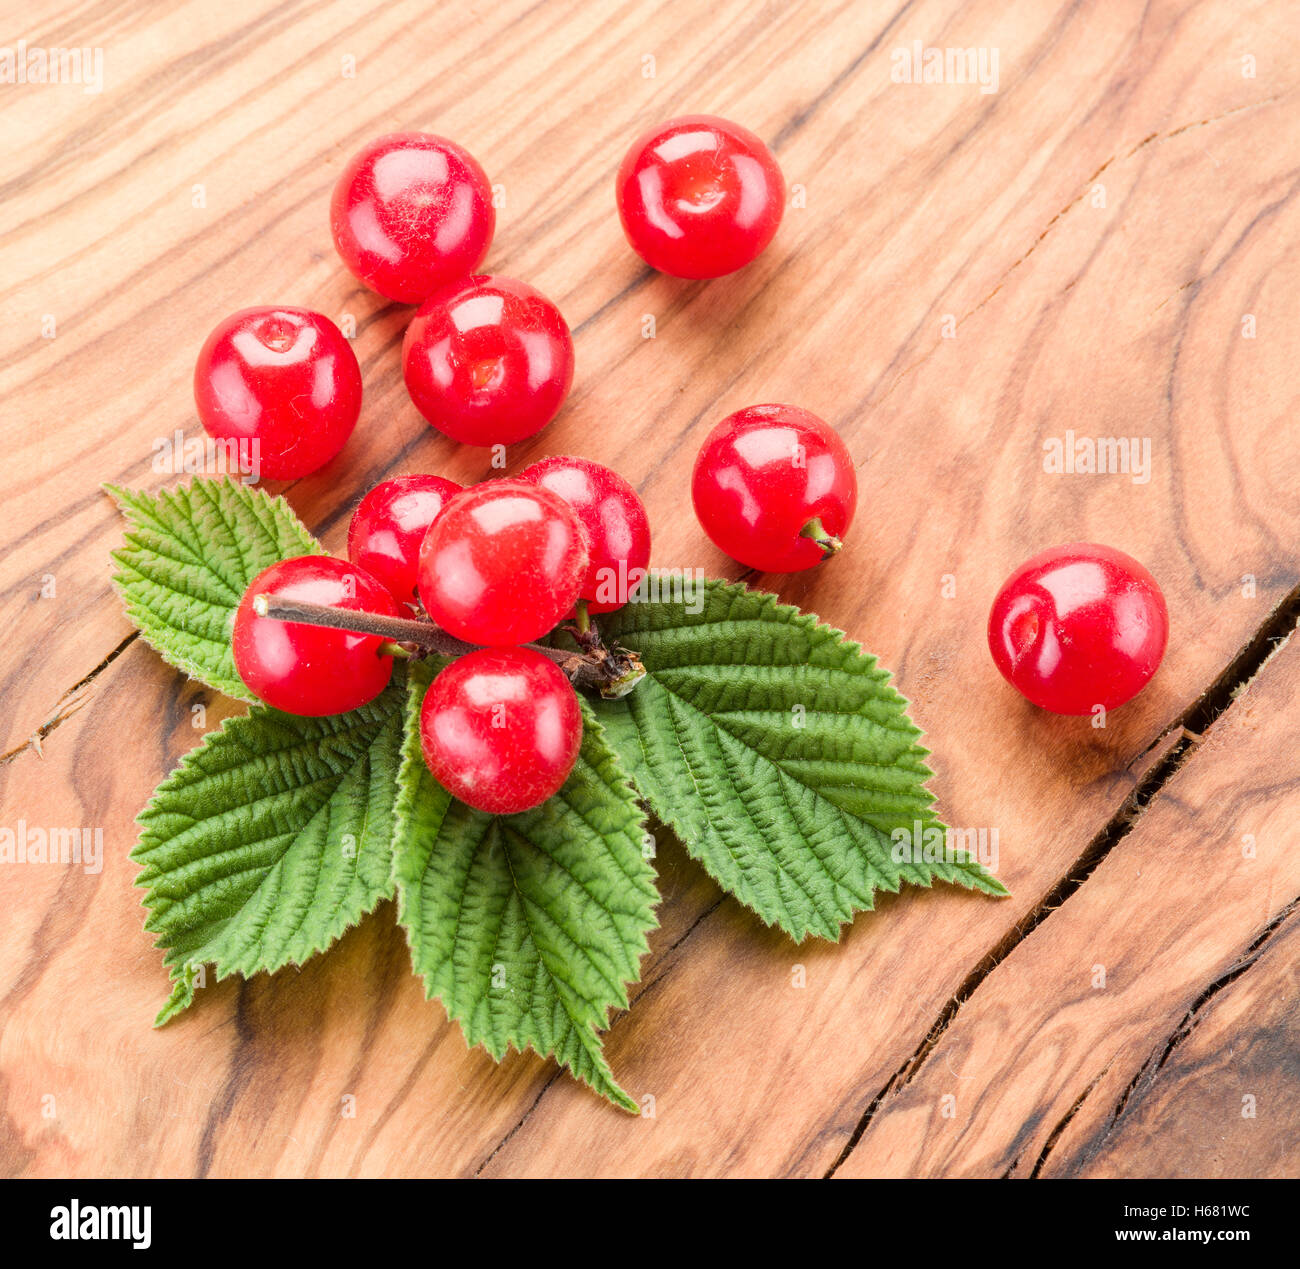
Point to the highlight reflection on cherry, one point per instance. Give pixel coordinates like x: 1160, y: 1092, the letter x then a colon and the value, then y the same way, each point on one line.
x: 1079, y: 626
x: 488, y: 360
x: 284, y: 379
x: 699, y: 196
x: 411, y: 212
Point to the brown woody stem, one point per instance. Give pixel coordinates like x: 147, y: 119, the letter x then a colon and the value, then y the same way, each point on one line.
x: 612, y: 671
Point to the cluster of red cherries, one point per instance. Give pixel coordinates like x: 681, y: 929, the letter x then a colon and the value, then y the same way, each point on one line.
x: 488, y: 360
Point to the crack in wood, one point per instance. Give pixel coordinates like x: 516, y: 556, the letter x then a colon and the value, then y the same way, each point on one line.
x: 1152, y: 139
x: 74, y: 702
x: 505, y: 1141
x: 1186, y: 1025
x: 1232, y: 682
x: 651, y: 983
x: 1228, y: 686
x: 1055, y: 1135
x: 644, y: 990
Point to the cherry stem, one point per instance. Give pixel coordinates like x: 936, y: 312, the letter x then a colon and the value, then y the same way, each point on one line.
x: 614, y: 672
x: 815, y: 530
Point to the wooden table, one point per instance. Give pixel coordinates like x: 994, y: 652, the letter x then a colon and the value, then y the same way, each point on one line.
x: 1108, y: 244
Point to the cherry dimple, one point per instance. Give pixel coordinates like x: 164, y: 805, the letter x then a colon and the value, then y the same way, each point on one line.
x: 488, y: 360
x: 284, y: 378
x: 1078, y: 628
x: 699, y: 196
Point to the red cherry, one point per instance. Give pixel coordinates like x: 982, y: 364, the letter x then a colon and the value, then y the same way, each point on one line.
x: 1078, y: 626
x: 284, y: 380
x: 488, y: 360
x: 617, y: 527
x: 502, y: 564
x: 311, y: 670
x: 500, y: 729
x: 775, y: 488
x: 410, y: 213
x: 388, y: 527
x: 699, y: 196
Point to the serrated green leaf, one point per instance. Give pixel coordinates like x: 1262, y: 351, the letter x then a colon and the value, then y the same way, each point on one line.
x: 190, y: 554
x: 779, y: 753
x: 270, y: 839
x: 527, y: 927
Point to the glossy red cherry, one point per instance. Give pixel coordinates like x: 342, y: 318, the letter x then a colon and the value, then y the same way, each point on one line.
x: 699, y: 196
x: 775, y: 488
x: 500, y: 729
x: 488, y: 360
x: 309, y: 669
x: 410, y: 213
x: 614, y: 518
x: 284, y: 380
x: 388, y: 528
x: 502, y: 564
x: 1078, y: 626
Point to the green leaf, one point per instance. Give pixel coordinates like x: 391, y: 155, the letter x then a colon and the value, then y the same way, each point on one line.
x: 190, y: 554
x: 779, y: 753
x: 527, y: 927
x: 270, y: 839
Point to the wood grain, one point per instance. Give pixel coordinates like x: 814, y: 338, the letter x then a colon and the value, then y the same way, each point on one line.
x: 1220, y: 1098
x: 1097, y: 230
x: 1121, y: 1036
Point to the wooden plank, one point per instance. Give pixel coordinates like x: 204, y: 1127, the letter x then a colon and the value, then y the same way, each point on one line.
x: 255, y: 1075
x: 921, y: 202
x: 843, y: 1037
x: 1121, y: 1036
x: 1222, y: 1097
x: 142, y: 294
